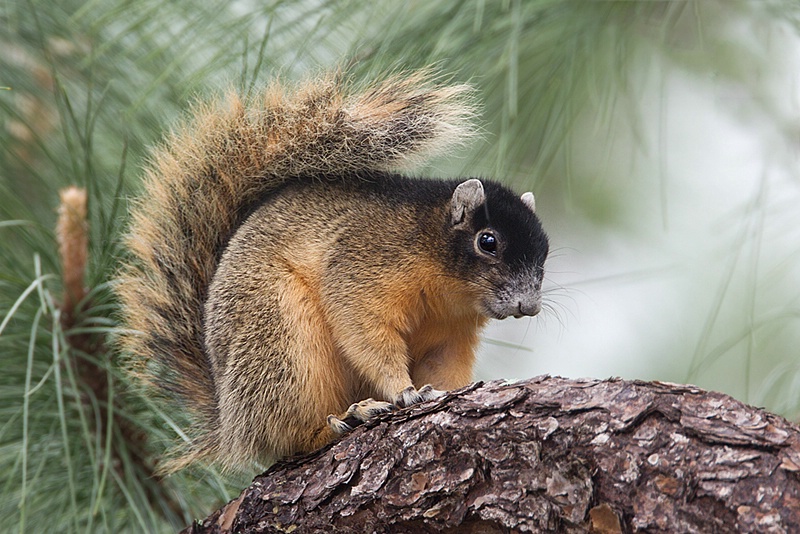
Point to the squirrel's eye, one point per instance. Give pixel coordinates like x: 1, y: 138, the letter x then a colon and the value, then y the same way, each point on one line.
x: 488, y: 243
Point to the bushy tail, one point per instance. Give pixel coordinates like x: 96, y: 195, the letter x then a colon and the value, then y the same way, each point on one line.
x: 208, y: 175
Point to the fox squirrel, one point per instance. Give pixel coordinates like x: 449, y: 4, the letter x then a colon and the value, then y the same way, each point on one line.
x: 280, y: 273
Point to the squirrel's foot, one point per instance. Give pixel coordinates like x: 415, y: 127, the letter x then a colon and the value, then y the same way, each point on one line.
x: 357, y: 413
x: 412, y: 395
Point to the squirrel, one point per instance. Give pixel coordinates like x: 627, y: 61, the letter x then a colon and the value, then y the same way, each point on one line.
x: 285, y: 284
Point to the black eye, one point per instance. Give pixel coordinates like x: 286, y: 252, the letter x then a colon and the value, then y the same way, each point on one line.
x: 488, y: 243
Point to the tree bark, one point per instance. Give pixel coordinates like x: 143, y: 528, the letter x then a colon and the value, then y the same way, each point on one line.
x: 545, y: 454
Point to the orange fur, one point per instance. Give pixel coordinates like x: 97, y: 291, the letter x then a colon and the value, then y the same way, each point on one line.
x: 262, y: 326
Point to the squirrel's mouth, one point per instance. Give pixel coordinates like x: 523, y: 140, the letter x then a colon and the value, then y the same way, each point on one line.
x: 527, y: 307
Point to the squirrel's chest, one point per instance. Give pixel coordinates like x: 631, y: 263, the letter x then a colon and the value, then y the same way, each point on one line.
x: 437, y: 330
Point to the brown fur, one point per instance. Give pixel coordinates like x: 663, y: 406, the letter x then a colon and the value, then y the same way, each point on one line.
x: 290, y: 350
x: 322, y: 337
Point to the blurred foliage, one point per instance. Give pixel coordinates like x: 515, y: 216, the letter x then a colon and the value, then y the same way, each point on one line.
x: 87, y: 86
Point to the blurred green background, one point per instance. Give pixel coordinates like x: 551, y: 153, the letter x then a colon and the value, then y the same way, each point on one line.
x: 660, y: 138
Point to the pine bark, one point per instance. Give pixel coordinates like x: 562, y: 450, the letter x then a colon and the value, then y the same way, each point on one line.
x: 545, y: 454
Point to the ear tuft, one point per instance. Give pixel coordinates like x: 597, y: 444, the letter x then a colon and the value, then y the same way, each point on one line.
x: 528, y: 200
x: 466, y: 198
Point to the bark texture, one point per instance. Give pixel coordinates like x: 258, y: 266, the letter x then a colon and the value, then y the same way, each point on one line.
x: 545, y: 454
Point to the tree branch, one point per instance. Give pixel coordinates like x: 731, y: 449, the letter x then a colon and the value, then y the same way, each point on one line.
x: 542, y: 454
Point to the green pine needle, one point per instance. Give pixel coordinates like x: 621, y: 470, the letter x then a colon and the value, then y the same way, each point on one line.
x: 92, y: 84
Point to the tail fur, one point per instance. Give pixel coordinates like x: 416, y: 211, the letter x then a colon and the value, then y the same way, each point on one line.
x: 204, y: 179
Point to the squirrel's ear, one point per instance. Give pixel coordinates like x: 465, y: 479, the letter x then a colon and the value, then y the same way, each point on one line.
x: 466, y: 198
x: 528, y: 200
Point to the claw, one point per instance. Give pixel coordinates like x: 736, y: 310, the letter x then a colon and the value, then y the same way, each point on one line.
x: 338, y: 426
x: 412, y: 395
x: 357, y: 413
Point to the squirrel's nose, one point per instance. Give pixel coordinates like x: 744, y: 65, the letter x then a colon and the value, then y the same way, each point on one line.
x: 528, y: 309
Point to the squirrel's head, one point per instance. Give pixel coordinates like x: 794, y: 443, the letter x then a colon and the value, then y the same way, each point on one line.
x: 498, y: 244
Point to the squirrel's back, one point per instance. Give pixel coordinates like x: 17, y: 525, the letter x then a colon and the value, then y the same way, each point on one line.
x: 209, y: 176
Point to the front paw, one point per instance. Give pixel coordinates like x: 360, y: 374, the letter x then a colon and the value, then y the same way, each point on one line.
x: 412, y: 395
x: 358, y: 413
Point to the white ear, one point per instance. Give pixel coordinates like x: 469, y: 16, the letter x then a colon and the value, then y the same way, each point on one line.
x: 466, y: 198
x: 528, y: 200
